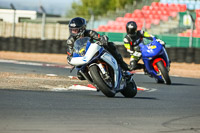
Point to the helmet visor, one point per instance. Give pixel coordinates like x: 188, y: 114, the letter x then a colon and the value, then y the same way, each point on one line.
x: 132, y: 33
x: 74, y: 30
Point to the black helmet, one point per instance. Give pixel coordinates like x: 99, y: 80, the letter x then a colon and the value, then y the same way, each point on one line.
x: 77, y: 27
x: 131, y: 28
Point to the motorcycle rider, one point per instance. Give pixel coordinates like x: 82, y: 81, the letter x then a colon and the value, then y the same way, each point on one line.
x: 131, y: 42
x: 77, y: 29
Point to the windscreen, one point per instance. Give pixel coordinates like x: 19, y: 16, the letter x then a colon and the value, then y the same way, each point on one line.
x: 80, y: 46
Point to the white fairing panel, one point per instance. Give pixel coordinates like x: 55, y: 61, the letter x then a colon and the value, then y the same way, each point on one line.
x: 113, y: 63
x: 92, y: 50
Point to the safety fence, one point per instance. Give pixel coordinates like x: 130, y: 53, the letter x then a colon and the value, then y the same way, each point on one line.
x: 176, y: 54
x: 171, y: 40
x: 34, y: 30
x: 32, y: 45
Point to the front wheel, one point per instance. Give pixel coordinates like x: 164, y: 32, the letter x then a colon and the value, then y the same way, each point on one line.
x: 105, y: 87
x: 164, y: 72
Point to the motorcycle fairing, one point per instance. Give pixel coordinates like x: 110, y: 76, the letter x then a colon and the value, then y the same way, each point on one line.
x: 81, y: 60
x: 113, y: 63
x: 151, y: 52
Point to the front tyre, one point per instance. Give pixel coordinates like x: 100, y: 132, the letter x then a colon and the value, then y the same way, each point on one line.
x: 97, y: 78
x: 130, y: 90
x: 164, y: 72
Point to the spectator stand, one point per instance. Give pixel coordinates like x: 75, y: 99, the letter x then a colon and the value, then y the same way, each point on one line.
x: 147, y: 17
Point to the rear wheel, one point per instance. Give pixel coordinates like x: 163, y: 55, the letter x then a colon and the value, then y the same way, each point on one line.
x: 105, y: 85
x: 164, y: 72
x: 130, y: 90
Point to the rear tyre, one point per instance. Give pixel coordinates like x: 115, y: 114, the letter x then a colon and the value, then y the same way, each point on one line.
x: 130, y: 90
x: 164, y: 72
x: 98, y: 80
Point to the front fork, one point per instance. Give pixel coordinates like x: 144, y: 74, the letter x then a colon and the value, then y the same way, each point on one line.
x: 86, y: 73
x: 157, y: 60
x: 104, y: 72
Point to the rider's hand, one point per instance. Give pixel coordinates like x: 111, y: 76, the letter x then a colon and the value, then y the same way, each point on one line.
x: 69, y: 59
x: 104, y: 40
x: 69, y: 50
x: 161, y: 42
x: 130, y: 51
x: 137, y: 54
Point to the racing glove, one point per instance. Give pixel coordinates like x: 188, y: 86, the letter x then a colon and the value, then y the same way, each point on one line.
x: 69, y: 59
x: 69, y: 53
x: 69, y: 50
x: 137, y: 55
x: 130, y: 51
x: 161, y: 42
x: 104, y: 40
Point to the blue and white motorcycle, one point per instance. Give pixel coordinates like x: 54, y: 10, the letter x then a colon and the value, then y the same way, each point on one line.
x: 100, y: 68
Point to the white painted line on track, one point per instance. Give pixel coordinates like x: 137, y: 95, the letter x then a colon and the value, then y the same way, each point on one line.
x: 35, y: 63
x: 152, y: 90
x: 45, y: 64
x: 52, y: 65
x: 139, y: 72
x: 75, y: 88
x: 73, y: 77
x: 52, y: 75
x: 82, y: 87
x: 89, y: 87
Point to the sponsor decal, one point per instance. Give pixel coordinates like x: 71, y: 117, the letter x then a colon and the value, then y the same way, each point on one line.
x: 130, y: 26
x: 153, y: 46
x: 73, y: 25
x: 84, y: 59
x: 125, y: 40
x: 113, y: 60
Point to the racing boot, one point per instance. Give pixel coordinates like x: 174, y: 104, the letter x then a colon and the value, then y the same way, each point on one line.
x: 127, y: 75
x: 145, y: 71
x: 134, y: 65
x: 80, y: 76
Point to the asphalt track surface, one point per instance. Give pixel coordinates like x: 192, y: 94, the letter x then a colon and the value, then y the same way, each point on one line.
x: 161, y: 109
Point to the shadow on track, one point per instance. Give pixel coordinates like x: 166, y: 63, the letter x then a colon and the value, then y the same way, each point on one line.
x: 182, y: 84
x: 147, y: 98
x: 173, y: 84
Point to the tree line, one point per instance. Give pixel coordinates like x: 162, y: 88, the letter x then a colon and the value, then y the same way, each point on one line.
x: 85, y: 8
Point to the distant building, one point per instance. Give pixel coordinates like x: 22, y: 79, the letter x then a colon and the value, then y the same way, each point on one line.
x: 6, y: 15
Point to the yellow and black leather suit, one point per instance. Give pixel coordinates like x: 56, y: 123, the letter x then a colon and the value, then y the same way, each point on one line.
x: 131, y: 43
